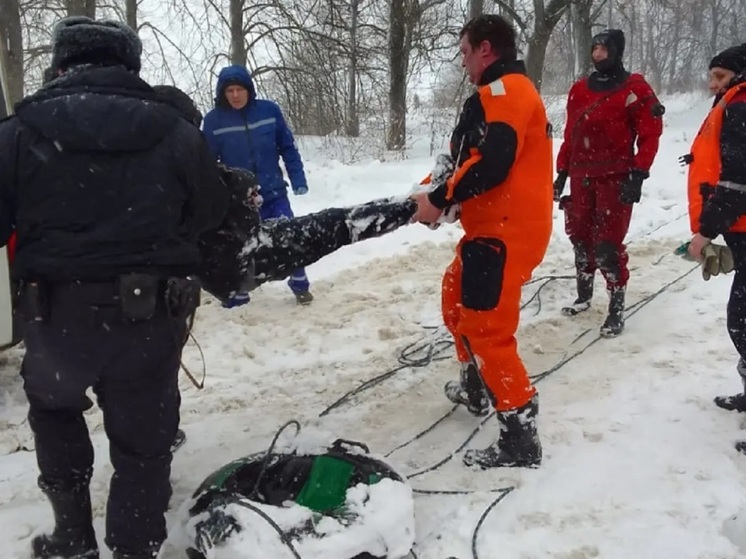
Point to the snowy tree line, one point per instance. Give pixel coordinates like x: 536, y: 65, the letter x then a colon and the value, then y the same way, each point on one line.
x: 343, y: 67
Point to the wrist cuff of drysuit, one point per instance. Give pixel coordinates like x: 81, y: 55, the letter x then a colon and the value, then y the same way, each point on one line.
x: 438, y: 197
x: 707, y: 231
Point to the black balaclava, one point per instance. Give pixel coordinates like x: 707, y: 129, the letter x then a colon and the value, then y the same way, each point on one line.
x: 609, y: 72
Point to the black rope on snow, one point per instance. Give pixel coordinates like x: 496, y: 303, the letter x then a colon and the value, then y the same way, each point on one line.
x: 434, y: 351
x: 484, y: 517
x: 268, y: 519
x: 459, y: 449
x: 657, y: 228
x: 583, y: 333
x: 460, y: 491
x: 537, y: 296
x: 424, y: 432
x: 268, y: 456
x: 548, y: 277
x: 633, y: 309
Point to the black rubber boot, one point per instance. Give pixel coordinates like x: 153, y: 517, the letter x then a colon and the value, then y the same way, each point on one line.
x: 469, y: 391
x: 585, y: 294
x: 179, y: 440
x: 614, y: 323
x: 518, y: 446
x: 73, y: 536
x: 736, y: 402
x: 304, y: 297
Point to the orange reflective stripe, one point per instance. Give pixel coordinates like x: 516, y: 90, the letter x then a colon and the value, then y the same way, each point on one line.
x: 474, y: 157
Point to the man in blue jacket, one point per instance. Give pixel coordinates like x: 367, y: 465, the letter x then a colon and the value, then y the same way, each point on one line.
x: 252, y: 134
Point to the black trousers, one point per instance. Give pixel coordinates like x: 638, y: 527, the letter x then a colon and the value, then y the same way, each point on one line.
x: 737, y: 301
x: 284, y: 245
x: 85, y: 341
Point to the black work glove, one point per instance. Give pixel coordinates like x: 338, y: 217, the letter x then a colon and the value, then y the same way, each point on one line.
x: 632, y: 187
x: 559, y: 184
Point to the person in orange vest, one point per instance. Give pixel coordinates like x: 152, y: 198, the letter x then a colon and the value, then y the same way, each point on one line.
x: 614, y: 122
x: 717, y: 193
x: 501, y: 149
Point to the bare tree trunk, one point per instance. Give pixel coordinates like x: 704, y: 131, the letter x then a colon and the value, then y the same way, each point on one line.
x: 714, y: 26
x: 81, y: 8
x: 583, y: 34
x: 397, y: 132
x: 353, y: 117
x: 689, y: 60
x: 11, y: 53
x: 238, y: 45
x: 671, y: 85
x: 130, y: 11
x: 476, y: 8
x: 610, y: 19
x: 656, y: 75
x: 545, y: 20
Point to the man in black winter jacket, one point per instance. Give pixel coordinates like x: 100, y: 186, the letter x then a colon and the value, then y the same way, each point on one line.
x: 717, y: 193
x: 108, y: 190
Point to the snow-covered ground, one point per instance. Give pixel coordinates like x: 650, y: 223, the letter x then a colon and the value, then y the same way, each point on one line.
x: 638, y: 461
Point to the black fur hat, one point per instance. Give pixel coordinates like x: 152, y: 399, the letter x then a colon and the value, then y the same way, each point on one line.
x: 81, y: 40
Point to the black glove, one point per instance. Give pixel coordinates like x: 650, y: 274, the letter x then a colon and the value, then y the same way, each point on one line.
x: 632, y: 187
x: 559, y: 184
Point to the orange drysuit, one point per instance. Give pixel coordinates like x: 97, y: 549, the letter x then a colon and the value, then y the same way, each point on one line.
x: 502, y: 147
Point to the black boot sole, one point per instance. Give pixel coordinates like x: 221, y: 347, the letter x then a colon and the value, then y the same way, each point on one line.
x: 574, y: 311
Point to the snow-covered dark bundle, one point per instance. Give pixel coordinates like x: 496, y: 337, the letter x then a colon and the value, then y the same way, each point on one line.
x: 332, y: 504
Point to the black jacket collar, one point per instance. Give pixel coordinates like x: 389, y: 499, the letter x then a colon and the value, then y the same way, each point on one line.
x: 500, y: 68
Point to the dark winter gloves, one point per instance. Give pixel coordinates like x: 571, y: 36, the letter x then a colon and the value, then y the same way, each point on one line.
x: 300, y: 190
x: 559, y: 184
x: 632, y: 187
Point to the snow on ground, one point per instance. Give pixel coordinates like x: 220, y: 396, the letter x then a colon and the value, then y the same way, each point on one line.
x: 638, y: 461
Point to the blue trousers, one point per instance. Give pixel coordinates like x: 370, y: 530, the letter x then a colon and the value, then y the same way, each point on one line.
x: 279, y: 208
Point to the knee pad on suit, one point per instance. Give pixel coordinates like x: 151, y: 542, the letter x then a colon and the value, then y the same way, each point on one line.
x: 607, y: 256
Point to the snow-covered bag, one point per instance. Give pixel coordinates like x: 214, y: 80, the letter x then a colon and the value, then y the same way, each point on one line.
x: 339, y: 503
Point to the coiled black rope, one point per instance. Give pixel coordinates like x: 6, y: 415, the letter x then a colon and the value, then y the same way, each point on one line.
x: 420, y: 353
x: 268, y: 456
